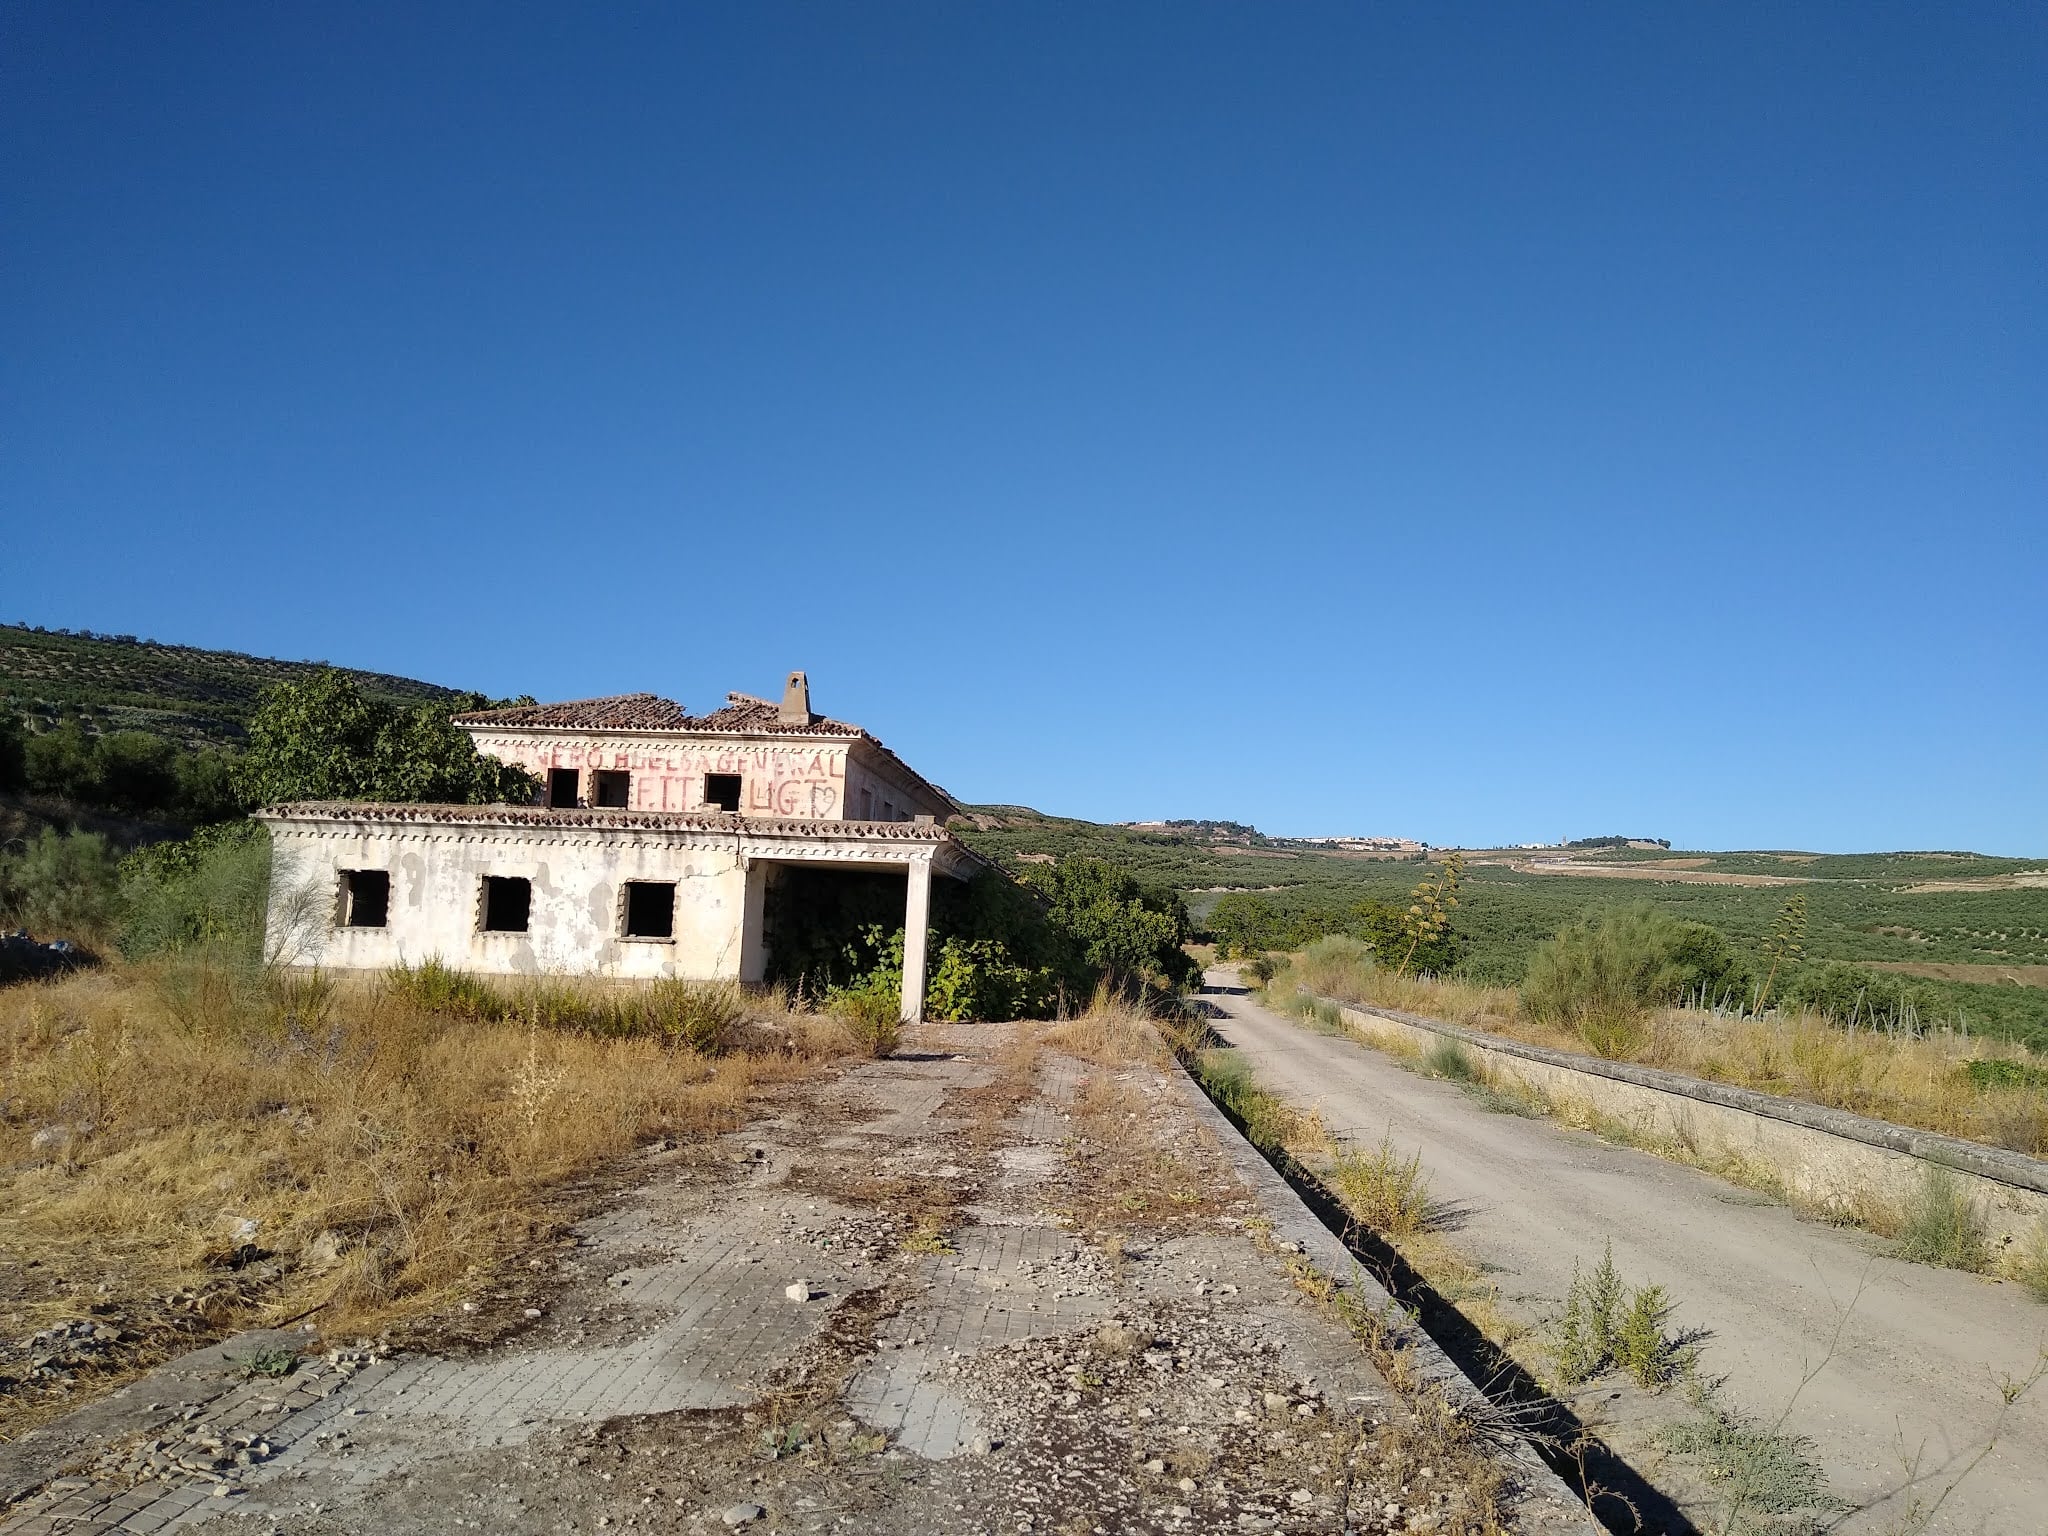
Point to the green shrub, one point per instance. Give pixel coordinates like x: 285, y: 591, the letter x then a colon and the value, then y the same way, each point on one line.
x: 1263, y: 968
x: 1941, y: 1223
x: 1997, y: 1072
x: 13, y: 752
x: 63, y: 885
x: 323, y: 738
x: 438, y: 988
x: 872, y: 1014
x: 209, y: 891
x: 1125, y: 932
x: 1607, y: 1324
x: 1601, y: 974
x: 1848, y: 994
x: 702, y: 1015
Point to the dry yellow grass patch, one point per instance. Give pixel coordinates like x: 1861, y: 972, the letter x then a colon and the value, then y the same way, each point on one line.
x: 1907, y: 1081
x: 1115, y: 1031
x: 202, y: 1147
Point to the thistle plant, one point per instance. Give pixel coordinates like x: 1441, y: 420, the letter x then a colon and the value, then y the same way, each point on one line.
x: 1430, y: 906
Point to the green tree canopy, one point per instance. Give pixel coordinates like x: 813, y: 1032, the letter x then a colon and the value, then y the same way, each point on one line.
x: 1125, y: 930
x: 323, y: 739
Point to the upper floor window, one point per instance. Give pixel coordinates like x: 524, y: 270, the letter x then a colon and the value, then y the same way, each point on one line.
x: 722, y: 792
x: 611, y: 788
x: 562, y: 786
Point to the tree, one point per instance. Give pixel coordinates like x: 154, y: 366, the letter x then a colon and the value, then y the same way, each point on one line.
x: 61, y: 763
x: 322, y: 738
x: 1125, y: 930
x: 61, y: 883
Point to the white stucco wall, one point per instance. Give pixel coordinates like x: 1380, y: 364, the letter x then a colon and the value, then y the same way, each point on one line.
x: 436, y: 868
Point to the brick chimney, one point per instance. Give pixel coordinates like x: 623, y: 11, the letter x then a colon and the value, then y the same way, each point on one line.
x: 796, y: 701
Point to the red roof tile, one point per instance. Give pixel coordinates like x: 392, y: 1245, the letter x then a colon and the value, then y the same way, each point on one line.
x: 620, y: 711
x: 742, y: 714
x: 567, y: 816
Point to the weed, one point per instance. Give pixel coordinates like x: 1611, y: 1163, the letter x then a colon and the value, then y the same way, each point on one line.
x: 274, y: 1362
x: 1641, y: 1346
x: 189, y: 1090
x: 1766, y: 1480
x: 437, y: 988
x: 1451, y: 1061
x: 1115, y: 1031
x: 703, y: 1016
x: 1607, y: 1324
x: 1941, y: 1224
x: 2034, y: 1264
x: 929, y: 1237
x: 872, y: 1016
x: 1387, y: 1193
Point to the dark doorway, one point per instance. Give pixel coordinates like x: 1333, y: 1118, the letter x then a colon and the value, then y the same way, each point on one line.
x: 722, y: 791
x: 365, y: 898
x: 826, y: 927
x: 562, y: 786
x: 507, y: 901
x: 612, y: 789
x: 650, y: 909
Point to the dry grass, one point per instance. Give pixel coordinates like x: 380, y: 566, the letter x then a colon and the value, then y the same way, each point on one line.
x: 1114, y: 1032
x: 1919, y: 1082
x: 196, y: 1147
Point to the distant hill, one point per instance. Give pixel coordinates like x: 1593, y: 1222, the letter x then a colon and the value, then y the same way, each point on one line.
x: 173, y: 690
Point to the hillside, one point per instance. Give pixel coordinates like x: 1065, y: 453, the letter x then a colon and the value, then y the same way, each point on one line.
x: 179, y: 691
x: 1975, y: 927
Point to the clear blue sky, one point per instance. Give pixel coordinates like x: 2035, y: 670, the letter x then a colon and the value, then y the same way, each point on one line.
x: 1479, y: 423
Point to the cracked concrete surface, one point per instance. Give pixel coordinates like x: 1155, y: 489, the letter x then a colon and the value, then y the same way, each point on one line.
x: 969, y: 1359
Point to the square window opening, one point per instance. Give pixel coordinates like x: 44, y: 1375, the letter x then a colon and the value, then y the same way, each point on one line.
x: 562, y: 786
x: 722, y: 791
x: 365, y: 898
x: 508, y: 900
x: 611, y: 789
x: 650, y: 909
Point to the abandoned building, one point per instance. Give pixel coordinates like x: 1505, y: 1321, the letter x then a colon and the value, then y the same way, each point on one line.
x: 652, y: 852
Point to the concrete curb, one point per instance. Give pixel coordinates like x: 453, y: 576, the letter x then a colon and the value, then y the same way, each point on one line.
x: 1295, y: 1225
x: 1994, y: 1163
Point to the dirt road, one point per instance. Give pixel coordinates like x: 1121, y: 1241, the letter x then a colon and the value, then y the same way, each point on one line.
x: 1896, y: 1410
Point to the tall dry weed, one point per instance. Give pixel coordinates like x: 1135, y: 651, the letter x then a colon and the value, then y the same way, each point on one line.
x: 1922, y: 1081
x: 162, y: 1122
x: 1114, y: 1031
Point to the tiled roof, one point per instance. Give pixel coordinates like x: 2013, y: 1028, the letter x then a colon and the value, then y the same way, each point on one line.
x: 743, y: 713
x: 567, y: 816
x: 621, y: 711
